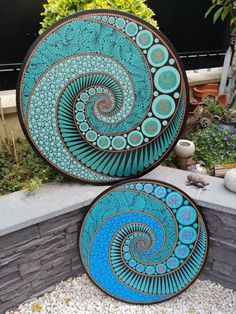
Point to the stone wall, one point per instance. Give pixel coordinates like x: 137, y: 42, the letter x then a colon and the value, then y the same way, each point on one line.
x: 35, y: 258
x: 221, y: 260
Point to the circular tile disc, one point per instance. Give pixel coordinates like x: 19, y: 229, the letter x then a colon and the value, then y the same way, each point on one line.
x: 102, y: 96
x: 143, y: 241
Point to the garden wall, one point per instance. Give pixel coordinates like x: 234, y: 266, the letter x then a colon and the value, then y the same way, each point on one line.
x: 35, y: 258
x: 38, y: 234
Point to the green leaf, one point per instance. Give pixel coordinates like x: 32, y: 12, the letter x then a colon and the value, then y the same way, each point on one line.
x: 224, y: 13
x: 233, y: 20
x: 217, y: 14
x: 209, y: 10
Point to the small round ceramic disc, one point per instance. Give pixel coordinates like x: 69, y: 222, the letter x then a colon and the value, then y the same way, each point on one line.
x: 143, y: 241
x: 102, y: 96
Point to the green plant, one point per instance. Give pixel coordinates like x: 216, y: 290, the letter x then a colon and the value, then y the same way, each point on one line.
x: 229, y: 115
x: 215, y: 146
x: 223, y: 9
x: 28, y: 173
x: 54, y: 10
x: 215, y: 109
x: 169, y: 160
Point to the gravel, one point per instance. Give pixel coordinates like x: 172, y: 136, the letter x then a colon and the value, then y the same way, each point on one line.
x: 79, y: 295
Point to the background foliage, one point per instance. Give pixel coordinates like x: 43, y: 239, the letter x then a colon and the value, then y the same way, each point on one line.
x: 223, y: 9
x: 54, y: 10
x: 29, y: 173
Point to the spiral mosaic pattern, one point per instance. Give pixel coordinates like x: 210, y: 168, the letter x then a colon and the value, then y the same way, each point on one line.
x: 143, y: 241
x: 102, y: 96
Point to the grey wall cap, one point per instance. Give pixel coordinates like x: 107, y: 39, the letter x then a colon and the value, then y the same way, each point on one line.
x: 18, y: 210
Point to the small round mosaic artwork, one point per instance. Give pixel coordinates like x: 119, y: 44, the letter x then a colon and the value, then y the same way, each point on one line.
x: 102, y: 96
x: 143, y: 241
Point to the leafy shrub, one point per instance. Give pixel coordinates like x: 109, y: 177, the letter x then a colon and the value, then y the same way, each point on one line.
x: 29, y: 173
x: 54, y: 10
x: 215, y: 108
x: 215, y: 146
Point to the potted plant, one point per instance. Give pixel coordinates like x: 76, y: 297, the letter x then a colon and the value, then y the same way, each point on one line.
x: 228, y: 120
x: 213, y: 106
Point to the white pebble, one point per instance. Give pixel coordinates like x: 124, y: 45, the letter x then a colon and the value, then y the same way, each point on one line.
x: 78, y: 296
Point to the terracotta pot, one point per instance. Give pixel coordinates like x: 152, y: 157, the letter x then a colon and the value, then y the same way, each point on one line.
x: 230, y: 180
x: 184, y: 149
x: 222, y: 100
x: 202, y: 91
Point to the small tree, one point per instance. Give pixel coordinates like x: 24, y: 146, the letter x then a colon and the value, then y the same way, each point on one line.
x: 54, y: 10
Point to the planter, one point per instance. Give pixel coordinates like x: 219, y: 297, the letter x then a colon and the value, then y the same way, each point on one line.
x: 184, y: 149
x: 227, y: 125
x: 230, y: 180
x: 205, y: 90
x: 202, y: 91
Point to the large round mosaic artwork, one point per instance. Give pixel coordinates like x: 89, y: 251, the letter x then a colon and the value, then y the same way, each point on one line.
x: 143, y: 241
x: 102, y: 96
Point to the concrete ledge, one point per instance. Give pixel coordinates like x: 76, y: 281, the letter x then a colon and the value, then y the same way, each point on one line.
x: 204, y: 76
x: 8, y: 101
x: 19, y: 210
x: 195, y: 77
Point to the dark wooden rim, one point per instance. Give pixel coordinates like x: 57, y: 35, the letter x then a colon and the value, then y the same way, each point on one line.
x: 134, y: 182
